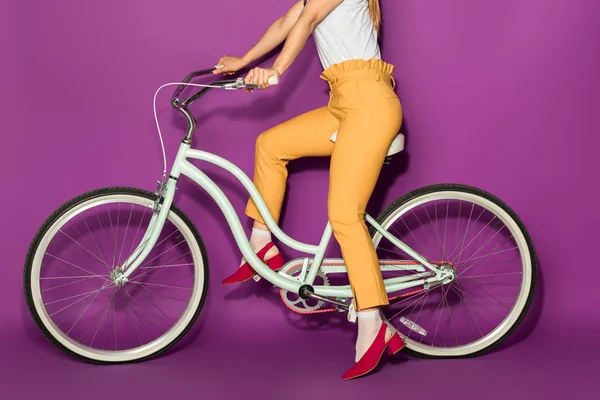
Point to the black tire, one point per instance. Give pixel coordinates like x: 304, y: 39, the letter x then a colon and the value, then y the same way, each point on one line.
x: 472, y: 190
x: 64, y: 209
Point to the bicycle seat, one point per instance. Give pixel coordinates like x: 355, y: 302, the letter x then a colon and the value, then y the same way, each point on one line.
x: 396, y: 146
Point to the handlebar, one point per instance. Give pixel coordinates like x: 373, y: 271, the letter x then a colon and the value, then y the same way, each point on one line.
x: 236, y: 84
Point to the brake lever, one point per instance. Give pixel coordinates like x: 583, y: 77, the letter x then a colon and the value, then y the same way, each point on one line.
x: 239, y: 84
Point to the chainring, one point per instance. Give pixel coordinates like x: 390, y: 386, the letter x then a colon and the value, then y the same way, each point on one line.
x: 296, y: 303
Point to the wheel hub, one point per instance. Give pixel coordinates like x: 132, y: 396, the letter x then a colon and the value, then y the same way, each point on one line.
x: 448, y: 272
x: 118, y: 277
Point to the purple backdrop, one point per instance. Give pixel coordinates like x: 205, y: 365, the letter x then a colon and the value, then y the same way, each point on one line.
x: 500, y: 95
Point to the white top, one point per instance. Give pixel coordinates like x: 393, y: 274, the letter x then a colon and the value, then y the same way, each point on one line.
x: 347, y: 33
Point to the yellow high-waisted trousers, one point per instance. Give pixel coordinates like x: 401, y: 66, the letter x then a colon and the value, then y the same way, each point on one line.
x: 366, y: 112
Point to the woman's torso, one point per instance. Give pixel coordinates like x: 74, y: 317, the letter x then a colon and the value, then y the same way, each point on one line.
x: 347, y: 33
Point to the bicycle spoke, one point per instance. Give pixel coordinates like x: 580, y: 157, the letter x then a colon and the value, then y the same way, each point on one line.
x: 84, y: 248
x: 103, y: 230
x: 463, y: 299
x: 390, y: 251
x: 73, y: 277
x: 428, y: 237
x: 444, y: 294
x: 436, y: 229
x: 168, y: 266
x: 91, y: 292
x: 88, y: 326
x: 150, y: 270
x: 462, y: 248
x: 66, y: 284
x: 479, y: 233
x: 133, y: 302
x: 492, y: 283
x: 129, y: 300
x: 465, y: 235
x: 160, y: 285
x: 491, y: 253
x: 488, y: 275
x: 137, y: 232
x: 483, y: 245
x: 84, y: 310
x: 125, y: 236
x: 112, y: 297
x: 412, y: 234
x: 159, y: 294
x: 493, y: 297
x: 446, y: 227
x: 437, y: 238
x: 115, y: 326
x: 406, y: 299
x: 113, y: 235
x: 96, y: 244
x: 416, y: 300
x: 156, y: 245
x: 500, y: 262
x: 483, y: 257
x: 76, y: 266
x: 155, y: 306
x: 450, y: 315
x: 477, y: 302
x: 83, y: 298
x: 460, y: 203
x: 117, y: 232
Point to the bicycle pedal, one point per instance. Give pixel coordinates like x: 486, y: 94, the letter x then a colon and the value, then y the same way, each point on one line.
x: 256, y: 278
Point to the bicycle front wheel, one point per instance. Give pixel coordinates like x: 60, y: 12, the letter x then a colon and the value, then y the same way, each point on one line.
x: 69, y: 283
x: 484, y: 244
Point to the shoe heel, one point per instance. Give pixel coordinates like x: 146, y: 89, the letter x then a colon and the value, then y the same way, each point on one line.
x: 395, y: 344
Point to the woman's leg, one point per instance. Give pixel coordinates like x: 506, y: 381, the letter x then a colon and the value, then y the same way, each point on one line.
x: 305, y: 135
x: 360, y: 150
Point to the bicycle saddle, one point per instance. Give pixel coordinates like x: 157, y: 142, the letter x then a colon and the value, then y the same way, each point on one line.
x: 396, y: 146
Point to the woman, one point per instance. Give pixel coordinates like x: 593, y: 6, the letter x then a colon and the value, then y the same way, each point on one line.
x: 366, y: 112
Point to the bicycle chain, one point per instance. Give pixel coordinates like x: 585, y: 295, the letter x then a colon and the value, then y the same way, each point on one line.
x: 320, y: 311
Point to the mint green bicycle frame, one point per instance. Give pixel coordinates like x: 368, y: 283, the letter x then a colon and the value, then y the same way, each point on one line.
x: 182, y: 166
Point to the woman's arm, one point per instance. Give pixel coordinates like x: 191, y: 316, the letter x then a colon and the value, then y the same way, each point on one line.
x: 273, y: 37
x: 276, y: 33
x: 313, y: 13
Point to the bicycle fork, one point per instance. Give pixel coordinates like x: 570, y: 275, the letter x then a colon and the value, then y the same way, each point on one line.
x: 161, y: 207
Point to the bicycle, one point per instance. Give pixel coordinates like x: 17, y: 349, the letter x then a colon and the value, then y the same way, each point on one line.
x: 135, y: 265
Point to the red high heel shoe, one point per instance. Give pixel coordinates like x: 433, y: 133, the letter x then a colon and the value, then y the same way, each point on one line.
x: 246, y: 272
x: 371, y: 358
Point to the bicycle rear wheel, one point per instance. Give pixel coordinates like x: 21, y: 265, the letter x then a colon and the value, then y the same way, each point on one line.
x: 69, y: 287
x: 484, y: 242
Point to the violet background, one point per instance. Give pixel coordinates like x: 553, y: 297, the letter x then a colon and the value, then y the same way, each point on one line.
x: 499, y: 95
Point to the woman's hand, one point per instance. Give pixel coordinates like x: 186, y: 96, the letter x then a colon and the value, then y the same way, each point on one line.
x: 260, y: 76
x: 228, y: 65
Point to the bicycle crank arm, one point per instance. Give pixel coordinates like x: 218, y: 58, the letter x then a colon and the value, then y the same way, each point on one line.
x: 307, y: 292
